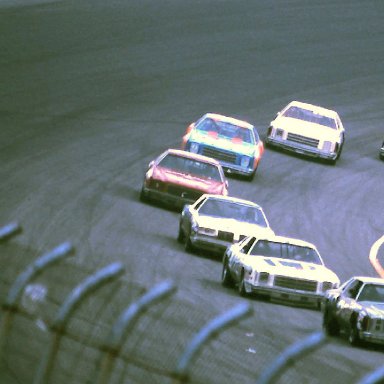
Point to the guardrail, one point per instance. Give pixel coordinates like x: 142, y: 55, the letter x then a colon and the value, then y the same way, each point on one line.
x: 109, y: 351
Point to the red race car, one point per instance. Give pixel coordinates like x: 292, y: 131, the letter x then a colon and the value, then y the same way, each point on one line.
x: 179, y: 177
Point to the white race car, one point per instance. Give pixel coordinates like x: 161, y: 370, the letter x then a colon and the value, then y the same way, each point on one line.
x: 309, y: 130
x: 213, y: 222
x: 278, y: 267
x: 357, y: 309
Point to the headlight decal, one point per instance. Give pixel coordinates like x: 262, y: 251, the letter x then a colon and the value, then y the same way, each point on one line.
x: 244, y: 161
x: 194, y: 147
x: 328, y: 146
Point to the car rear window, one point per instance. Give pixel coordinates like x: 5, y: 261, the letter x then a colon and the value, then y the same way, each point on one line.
x: 310, y: 116
x: 226, y: 130
x: 191, y: 167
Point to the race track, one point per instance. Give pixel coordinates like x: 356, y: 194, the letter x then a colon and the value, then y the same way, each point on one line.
x: 91, y: 91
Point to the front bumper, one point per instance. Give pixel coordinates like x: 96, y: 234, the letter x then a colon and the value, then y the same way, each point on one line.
x: 300, y: 149
x: 229, y: 160
x: 303, y: 297
x: 377, y: 338
x: 236, y: 169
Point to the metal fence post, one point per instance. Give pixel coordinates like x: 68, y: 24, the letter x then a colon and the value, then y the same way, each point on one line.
x: 73, y: 300
x: 9, y: 231
x: 209, y: 331
x: 292, y: 353
x: 375, y: 377
x: 10, y: 306
x: 126, y: 322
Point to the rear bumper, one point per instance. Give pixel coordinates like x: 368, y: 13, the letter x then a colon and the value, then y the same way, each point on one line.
x: 167, y: 198
x: 209, y: 243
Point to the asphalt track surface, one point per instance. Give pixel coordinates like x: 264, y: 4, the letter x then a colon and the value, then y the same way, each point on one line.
x: 91, y: 91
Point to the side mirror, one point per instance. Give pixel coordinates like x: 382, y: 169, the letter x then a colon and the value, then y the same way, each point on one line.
x: 151, y: 164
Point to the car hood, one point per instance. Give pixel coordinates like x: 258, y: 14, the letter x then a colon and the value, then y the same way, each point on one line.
x: 373, y: 308
x: 186, y: 180
x: 222, y: 142
x: 305, y: 128
x: 231, y: 225
x: 291, y: 268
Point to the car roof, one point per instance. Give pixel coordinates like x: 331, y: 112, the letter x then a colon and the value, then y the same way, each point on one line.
x: 191, y: 155
x: 314, y: 108
x: 368, y: 279
x: 232, y: 120
x: 286, y: 240
x: 231, y: 198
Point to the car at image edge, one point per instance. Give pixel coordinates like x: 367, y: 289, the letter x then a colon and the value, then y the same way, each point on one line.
x: 179, y: 177
x: 233, y: 142
x: 214, y: 222
x: 356, y: 309
x: 279, y: 267
x: 309, y: 130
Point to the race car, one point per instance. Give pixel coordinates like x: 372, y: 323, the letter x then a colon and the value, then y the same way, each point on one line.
x: 214, y: 222
x: 309, y: 130
x: 235, y: 143
x: 179, y: 177
x: 356, y: 309
x: 278, y: 267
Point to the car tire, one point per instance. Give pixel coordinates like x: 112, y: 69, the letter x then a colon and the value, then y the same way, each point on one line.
x: 330, y: 324
x: 181, y: 235
x: 226, y: 278
x: 251, y: 176
x: 241, y: 286
x: 143, y: 196
x: 353, y: 335
x: 188, y: 243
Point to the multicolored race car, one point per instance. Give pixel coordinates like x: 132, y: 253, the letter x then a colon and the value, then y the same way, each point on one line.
x: 234, y: 143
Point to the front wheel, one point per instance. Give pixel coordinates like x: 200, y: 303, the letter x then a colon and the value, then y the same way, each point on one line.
x: 181, y: 235
x: 330, y: 324
x: 241, y: 287
x: 353, y: 337
x: 143, y: 196
x: 188, y: 243
x: 226, y: 278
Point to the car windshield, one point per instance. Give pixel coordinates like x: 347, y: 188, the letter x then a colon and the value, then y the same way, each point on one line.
x: 226, y: 130
x: 233, y: 210
x: 372, y: 292
x: 310, y: 116
x: 191, y: 167
x: 285, y: 251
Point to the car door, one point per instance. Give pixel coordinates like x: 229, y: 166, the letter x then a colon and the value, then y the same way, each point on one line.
x: 236, y: 260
